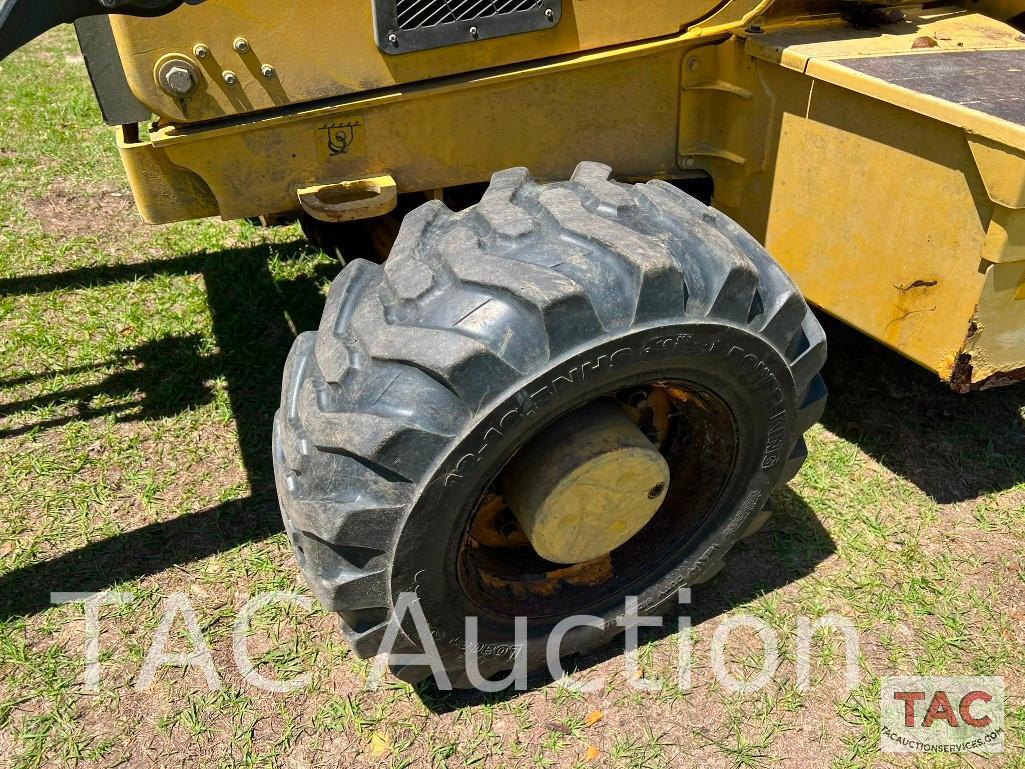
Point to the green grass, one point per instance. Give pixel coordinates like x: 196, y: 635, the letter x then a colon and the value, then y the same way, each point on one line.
x: 140, y: 369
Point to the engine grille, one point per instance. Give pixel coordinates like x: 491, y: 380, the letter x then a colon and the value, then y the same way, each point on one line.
x: 404, y: 26
x: 417, y: 14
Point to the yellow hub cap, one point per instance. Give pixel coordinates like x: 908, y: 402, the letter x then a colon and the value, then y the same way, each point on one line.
x: 585, y: 485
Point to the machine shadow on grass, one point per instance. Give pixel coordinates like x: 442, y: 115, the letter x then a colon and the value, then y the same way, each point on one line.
x: 253, y: 318
x: 953, y: 447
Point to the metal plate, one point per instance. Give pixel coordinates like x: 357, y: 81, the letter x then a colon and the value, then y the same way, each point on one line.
x: 991, y: 82
x: 403, y: 26
x: 117, y: 102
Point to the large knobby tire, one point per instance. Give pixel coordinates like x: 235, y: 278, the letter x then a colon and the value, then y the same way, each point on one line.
x: 486, y: 325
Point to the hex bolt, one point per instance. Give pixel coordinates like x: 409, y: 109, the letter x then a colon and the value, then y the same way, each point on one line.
x: 230, y: 78
x: 241, y: 45
x: 549, y: 14
x: 393, y: 39
x: 689, y: 162
x: 474, y: 33
x: 201, y: 51
x: 178, y: 80
x: 267, y: 71
x: 693, y: 64
x: 177, y: 77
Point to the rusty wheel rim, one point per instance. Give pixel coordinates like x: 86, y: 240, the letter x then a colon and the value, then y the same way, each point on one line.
x: 693, y: 429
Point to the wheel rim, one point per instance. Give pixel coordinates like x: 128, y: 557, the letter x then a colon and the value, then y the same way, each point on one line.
x: 694, y: 430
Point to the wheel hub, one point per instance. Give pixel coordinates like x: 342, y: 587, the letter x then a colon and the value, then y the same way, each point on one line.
x: 585, y: 485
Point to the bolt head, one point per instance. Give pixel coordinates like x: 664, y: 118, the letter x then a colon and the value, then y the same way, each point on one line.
x: 393, y: 39
x: 178, y: 77
x: 178, y: 80
x: 230, y: 77
x: 267, y: 71
x: 201, y: 51
x: 693, y: 65
x: 474, y: 32
x: 549, y: 14
x: 241, y: 45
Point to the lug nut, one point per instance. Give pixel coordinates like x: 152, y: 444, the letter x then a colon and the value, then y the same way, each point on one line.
x: 241, y: 45
x: 230, y: 77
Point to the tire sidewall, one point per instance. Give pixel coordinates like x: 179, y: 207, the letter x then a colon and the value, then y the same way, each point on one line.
x: 732, y: 363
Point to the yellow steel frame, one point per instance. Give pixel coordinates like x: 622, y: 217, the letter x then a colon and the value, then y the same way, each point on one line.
x: 900, y: 213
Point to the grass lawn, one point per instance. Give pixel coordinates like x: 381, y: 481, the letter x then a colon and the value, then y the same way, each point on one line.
x: 139, y: 370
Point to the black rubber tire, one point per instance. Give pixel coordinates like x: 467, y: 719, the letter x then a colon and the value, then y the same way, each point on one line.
x: 427, y: 373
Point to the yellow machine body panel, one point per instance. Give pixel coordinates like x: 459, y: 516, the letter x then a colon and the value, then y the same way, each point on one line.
x: 321, y: 50
x: 883, y: 167
x: 891, y: 179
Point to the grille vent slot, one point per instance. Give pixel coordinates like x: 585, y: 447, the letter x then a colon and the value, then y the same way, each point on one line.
x: 417, y: 14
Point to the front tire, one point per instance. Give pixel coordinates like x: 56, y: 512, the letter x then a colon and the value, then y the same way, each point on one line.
x: 485, y: 327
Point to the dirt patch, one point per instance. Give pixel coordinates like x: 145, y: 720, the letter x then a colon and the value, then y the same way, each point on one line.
x: 85, y: 209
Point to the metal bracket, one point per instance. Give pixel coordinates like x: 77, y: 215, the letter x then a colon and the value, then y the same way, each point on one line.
x: 349, y: 200
x: 117, y: 102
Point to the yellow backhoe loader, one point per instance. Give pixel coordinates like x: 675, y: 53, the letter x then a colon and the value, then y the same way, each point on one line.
x: 534, y: 393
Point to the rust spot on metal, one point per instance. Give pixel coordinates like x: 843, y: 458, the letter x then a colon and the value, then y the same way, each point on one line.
x: 546, y: 584
x: 1001, y: 379
x: 917, y: 284
x: 961, y: 375
x: 495, y: 526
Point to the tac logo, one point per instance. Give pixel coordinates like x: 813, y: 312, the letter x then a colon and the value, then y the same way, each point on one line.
x: 932, y: 714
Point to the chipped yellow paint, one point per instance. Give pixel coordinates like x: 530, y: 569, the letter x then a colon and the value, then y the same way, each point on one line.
x: 997, y: 345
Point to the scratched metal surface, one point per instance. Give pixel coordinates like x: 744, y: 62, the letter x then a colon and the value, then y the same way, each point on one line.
x: 991, y: 82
